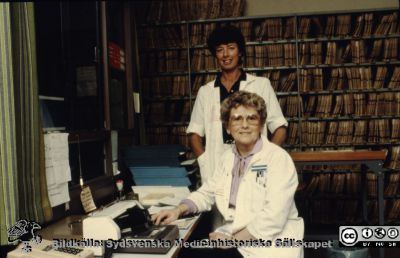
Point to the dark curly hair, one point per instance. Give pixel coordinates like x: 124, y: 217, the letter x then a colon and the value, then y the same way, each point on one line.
x: 225, y: 35
x: 246, y: 99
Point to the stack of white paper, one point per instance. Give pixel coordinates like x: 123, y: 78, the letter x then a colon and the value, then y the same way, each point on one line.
x: 165, y: 195
x: 58, y: 171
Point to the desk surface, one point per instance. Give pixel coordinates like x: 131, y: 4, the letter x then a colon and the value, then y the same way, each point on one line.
x: 67, y: 228
x: 321, y: 156
x: 63, y: 230
x: 173, y: 252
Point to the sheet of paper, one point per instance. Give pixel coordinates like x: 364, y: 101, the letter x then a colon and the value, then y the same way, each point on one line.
x: 115, y: 209
x: 136, y: 102
x: 87, y: 200
x: 168, y: 195
x: 58, y: 171
x: 155, y: 209
x: 158, y: 196
x: 59, y: 194
x: 188, y: 162
x: 168, y: 200
x: 184, y: 223
x: 57, y: 156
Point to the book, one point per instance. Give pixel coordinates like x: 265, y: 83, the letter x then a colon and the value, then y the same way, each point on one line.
x: 293, y: 130
x: 330, y: 26
x: 343, y: 26
x: 304, y: 27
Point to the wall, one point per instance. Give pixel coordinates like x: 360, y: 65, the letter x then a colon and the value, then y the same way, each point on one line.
x: 274, y: 7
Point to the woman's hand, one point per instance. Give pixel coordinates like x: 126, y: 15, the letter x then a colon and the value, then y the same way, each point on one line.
x: 166, y: 216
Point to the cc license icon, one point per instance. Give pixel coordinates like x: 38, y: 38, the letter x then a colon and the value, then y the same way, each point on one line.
x: 367, y: 233
x: 392, y: 233
x: 380, y: 233
x: 349, y: 236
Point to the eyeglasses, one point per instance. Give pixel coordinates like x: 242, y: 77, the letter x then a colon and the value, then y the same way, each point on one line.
x: 237, y: 119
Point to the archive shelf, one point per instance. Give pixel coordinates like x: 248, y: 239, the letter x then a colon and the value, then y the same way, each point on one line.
x: 334, y: 118
x: 341, y: 91
x: 357, y: 145
x: 349, y: 58
x: 170, y: 98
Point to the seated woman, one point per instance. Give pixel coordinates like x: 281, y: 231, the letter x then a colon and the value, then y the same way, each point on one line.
x: 253, y: 187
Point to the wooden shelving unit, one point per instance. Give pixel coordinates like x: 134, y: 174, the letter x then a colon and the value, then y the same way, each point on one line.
x: 336, y: 76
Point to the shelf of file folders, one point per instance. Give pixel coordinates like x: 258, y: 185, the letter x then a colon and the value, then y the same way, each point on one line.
x: 343, y: 131
x: 367, y: 161
x: 332, y: 191
x: 158, y: 165
x: 356, y: 181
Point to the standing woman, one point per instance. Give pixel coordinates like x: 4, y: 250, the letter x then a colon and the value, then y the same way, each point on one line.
x: 253, y: 187
x: 228, y: 47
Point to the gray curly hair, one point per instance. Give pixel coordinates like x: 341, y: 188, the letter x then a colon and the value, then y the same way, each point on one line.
x: 246, y: 99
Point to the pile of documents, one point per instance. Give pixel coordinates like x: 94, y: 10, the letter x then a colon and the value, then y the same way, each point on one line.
x: 161, y: 195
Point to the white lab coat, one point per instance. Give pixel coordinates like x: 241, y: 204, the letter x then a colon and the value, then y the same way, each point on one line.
x: 266, y: 208
x: 205, y: 118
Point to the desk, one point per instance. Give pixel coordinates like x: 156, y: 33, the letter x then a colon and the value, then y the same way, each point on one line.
x: 172, y: 253
x: 67, y: 228
x: 373, y: 160
x: 62, y: 230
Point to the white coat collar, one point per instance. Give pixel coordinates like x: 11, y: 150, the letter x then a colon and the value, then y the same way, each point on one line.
x: 249, y: 78
x: 257, y: 156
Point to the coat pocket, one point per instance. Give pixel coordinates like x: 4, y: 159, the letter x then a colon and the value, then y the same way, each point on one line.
x: 257, y: 196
